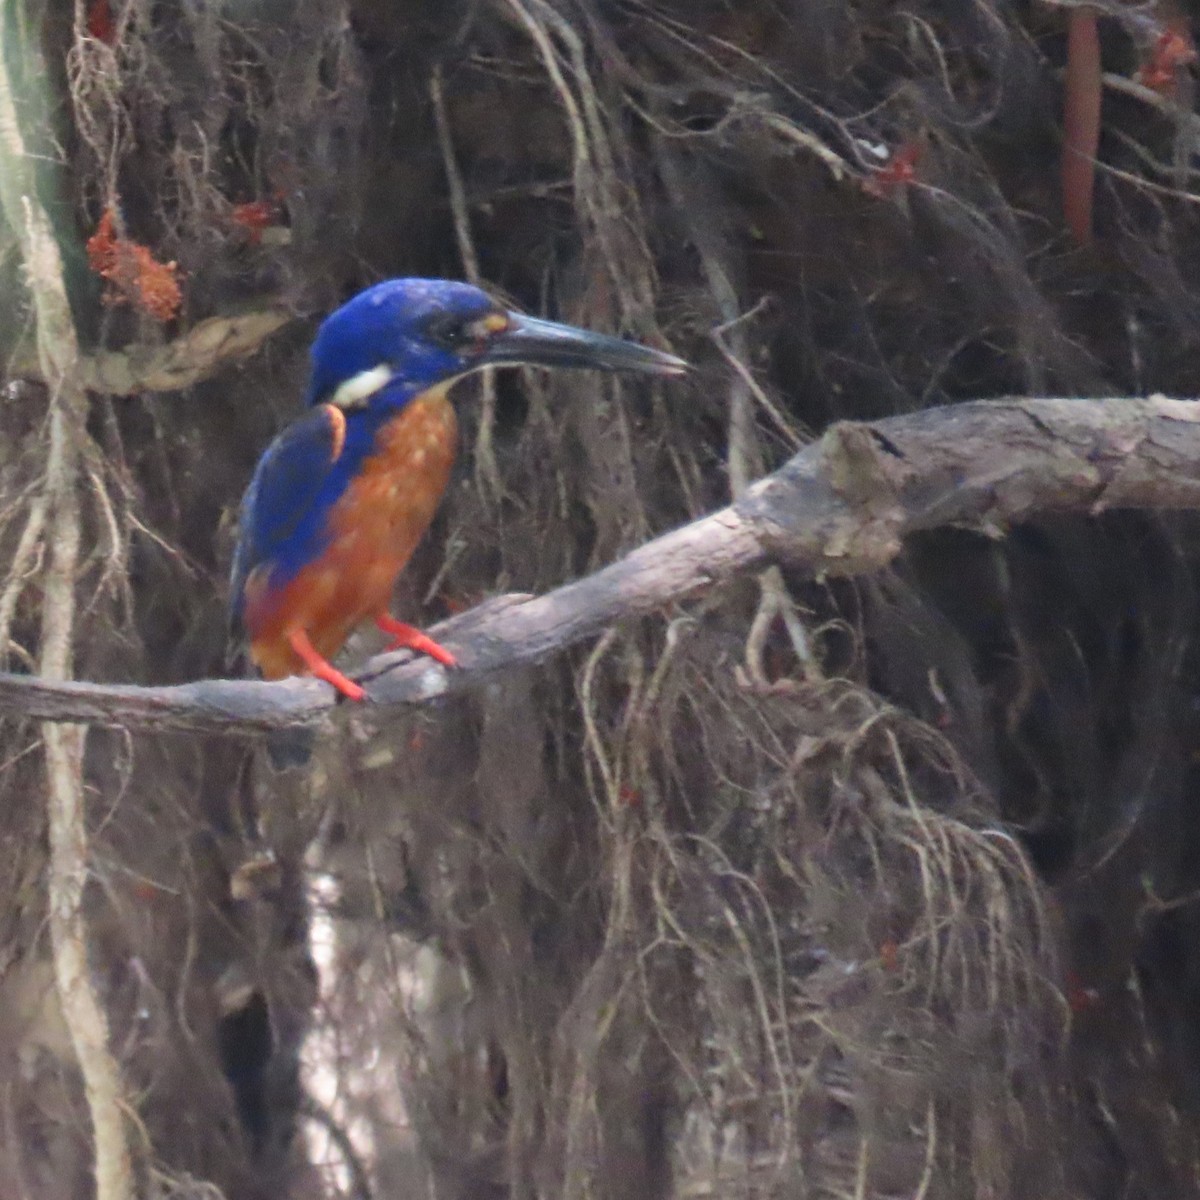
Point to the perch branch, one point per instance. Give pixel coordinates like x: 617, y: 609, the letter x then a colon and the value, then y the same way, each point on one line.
x: 58, y: 357
x: 842, y: 506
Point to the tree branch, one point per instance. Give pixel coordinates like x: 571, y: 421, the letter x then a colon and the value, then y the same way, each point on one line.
x: 842, y: 506
x: 186, y: 360
x: 183, y: 362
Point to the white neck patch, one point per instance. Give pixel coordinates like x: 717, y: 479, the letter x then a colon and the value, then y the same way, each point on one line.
x: 358, y: 389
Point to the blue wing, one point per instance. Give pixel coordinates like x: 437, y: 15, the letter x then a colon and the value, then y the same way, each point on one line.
x: 281, y: 515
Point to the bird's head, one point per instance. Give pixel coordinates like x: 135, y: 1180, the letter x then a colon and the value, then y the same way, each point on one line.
x: 406, y: 335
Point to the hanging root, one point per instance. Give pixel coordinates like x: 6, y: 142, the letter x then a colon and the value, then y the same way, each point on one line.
x: 54, y: 523
x: 819, y: 923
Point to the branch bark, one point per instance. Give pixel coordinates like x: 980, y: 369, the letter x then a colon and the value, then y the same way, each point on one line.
x: 842, y: 506
x: 183, y: 362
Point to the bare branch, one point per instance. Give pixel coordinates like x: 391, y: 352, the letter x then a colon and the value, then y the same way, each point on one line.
x: 187, y: 359
x: 842, y: 506
x: 181, y: 363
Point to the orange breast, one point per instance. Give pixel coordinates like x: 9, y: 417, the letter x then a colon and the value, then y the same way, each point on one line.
x: 375, y: 527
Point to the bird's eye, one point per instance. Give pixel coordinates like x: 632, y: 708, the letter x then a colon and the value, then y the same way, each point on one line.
x: 448, y: 329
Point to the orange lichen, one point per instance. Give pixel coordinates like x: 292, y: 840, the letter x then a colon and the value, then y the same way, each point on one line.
x: 1172, y: 51
x: 102, y: 245
x: 256, y: 216
x: 132, y: 272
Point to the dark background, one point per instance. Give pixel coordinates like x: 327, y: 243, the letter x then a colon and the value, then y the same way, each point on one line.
x: 915, y: 916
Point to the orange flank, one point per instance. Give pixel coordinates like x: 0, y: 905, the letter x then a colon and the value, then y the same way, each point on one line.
x: 375, y: 527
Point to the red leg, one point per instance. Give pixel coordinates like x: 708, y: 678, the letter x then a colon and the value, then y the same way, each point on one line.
x: 408, y: 637
x: 322, y: 668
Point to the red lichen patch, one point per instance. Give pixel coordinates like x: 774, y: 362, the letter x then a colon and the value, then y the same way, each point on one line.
x: 256, y: 216
x: 899, y: 171
x: 133, y: 274
x: 100, y: 22
x: 454, y: 603
x: 889, y: 955
x: 1080, y: 997
x: 1172, y: 51
x: 102, y: 245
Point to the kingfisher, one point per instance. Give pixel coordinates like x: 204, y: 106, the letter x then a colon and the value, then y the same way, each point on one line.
x: 341, y: 498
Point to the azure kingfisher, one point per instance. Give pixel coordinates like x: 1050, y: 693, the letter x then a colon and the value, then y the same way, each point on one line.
x: 341, y: 497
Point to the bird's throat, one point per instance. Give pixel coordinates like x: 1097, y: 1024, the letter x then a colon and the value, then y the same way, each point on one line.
x: 392, y: 498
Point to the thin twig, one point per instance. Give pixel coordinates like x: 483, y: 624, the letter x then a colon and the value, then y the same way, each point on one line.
x: 610, y: 210
x: 745, y: 452
x: 787, y: 431
x: 360, y: 1177
x: 487, y: 471
x: 1167, y: 105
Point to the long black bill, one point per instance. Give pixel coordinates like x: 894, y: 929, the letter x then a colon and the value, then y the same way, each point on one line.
x: 536, y: 343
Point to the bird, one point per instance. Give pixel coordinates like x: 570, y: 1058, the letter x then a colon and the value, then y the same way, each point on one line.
x: 340, y: 499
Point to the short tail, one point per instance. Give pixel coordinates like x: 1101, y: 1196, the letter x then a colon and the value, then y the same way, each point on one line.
x: 291, y: 747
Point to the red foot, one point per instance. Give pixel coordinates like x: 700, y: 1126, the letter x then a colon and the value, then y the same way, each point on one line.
x: 322, y: 668
x: 409, y: 638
